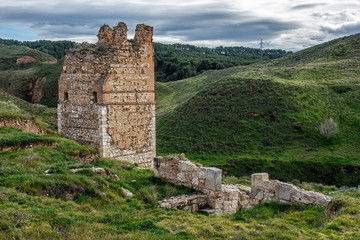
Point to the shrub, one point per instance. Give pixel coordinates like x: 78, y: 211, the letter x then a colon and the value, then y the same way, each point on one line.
x: 328, y: 128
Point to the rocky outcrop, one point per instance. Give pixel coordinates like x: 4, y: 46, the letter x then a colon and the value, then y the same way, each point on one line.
x: 22, y: 124
x: 25, y: 60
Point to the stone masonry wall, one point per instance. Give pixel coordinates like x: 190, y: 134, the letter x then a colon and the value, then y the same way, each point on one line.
x: 225, y: 199
x: 273, y: 190
x: 107, y: 95
x: 179, y: 170
x: 222, y: 198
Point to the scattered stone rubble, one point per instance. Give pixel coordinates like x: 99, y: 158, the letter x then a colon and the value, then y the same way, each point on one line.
x: 127, y: 193
x: 222, y: 198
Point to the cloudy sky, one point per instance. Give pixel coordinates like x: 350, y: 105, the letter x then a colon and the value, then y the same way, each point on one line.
x: 285, y: 24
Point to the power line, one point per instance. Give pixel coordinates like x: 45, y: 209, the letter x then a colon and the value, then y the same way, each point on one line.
x: 261, y: 50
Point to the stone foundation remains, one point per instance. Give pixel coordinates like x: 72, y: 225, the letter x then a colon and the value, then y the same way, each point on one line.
x: 273, y: 190
x: 185, y: 202
x: 107, y: 95
x: 222, y: 198
x: 181, y: 171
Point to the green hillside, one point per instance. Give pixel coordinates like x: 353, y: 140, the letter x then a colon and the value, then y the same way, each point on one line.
x: 20, y: 80
x: 42, y: 198
x: 269, y: 111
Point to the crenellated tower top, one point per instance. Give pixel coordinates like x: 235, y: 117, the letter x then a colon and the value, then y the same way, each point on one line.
x: 143, y: 33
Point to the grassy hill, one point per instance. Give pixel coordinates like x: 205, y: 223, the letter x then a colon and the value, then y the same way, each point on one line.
x: 20, y: 79
x: 270, y: 112
x: 42, y: 198
x: 172, y: 62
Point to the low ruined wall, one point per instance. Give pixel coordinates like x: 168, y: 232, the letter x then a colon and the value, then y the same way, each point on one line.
x: 185, y: 202
x: 229, y: 200
x: 179, y: 170
x: 222, y: 198
x: 274, y: 190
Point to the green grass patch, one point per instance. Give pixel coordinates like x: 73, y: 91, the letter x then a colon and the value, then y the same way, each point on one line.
x: 11, y: 137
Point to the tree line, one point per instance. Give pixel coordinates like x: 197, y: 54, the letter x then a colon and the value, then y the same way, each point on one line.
x: 172, y: 62
x: 179, y: 61
x: 53, y: 48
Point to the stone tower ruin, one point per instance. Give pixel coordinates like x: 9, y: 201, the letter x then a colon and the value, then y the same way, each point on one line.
x: 107, y: 95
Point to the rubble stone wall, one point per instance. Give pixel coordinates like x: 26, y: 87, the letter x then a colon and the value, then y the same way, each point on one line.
x: 107, y: 95
x: 274, y: 190
x: 222, y: 198
x: 179, y: 170
x: 229, y: 200
x: 188, y: 203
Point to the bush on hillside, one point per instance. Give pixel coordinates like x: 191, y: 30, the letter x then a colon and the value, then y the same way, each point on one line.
x: 329, y: 128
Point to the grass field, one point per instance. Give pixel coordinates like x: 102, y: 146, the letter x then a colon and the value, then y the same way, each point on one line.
x: 41, y: 198
x: 268, y: 111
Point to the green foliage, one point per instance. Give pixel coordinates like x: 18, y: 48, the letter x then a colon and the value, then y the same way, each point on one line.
x: 179, y: 61
x: 18, y: 80
x: 239, y: 215
x: 337, y: 49
x: 12, y: 137
x: 329, y: 128
x: 13, y: 107
x: 172, y: 62
x: 53, y: 48
x: 57, y: 204
x: 330, y: 171
x: 269, y: 111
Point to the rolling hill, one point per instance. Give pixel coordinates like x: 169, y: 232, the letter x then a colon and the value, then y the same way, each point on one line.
x: 268, y: 111
x: 49, y: 190
x: 29, y: 74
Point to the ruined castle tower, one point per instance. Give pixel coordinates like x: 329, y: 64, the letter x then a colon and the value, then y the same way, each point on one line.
x: 107, y: 95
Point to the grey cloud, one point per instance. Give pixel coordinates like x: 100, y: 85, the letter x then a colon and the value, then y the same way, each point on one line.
x: 243, y: 31
x: 346, y: 29
x: 306, y: 6
x: 201, y: 22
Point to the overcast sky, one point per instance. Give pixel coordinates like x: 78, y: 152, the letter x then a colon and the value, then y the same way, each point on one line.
x: 285, y: 24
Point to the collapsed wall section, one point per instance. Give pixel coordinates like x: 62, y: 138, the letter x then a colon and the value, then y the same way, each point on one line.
x: 223, y: 198
x: 179, y: 170
x: 107, y: 95
x: 273, y: 190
